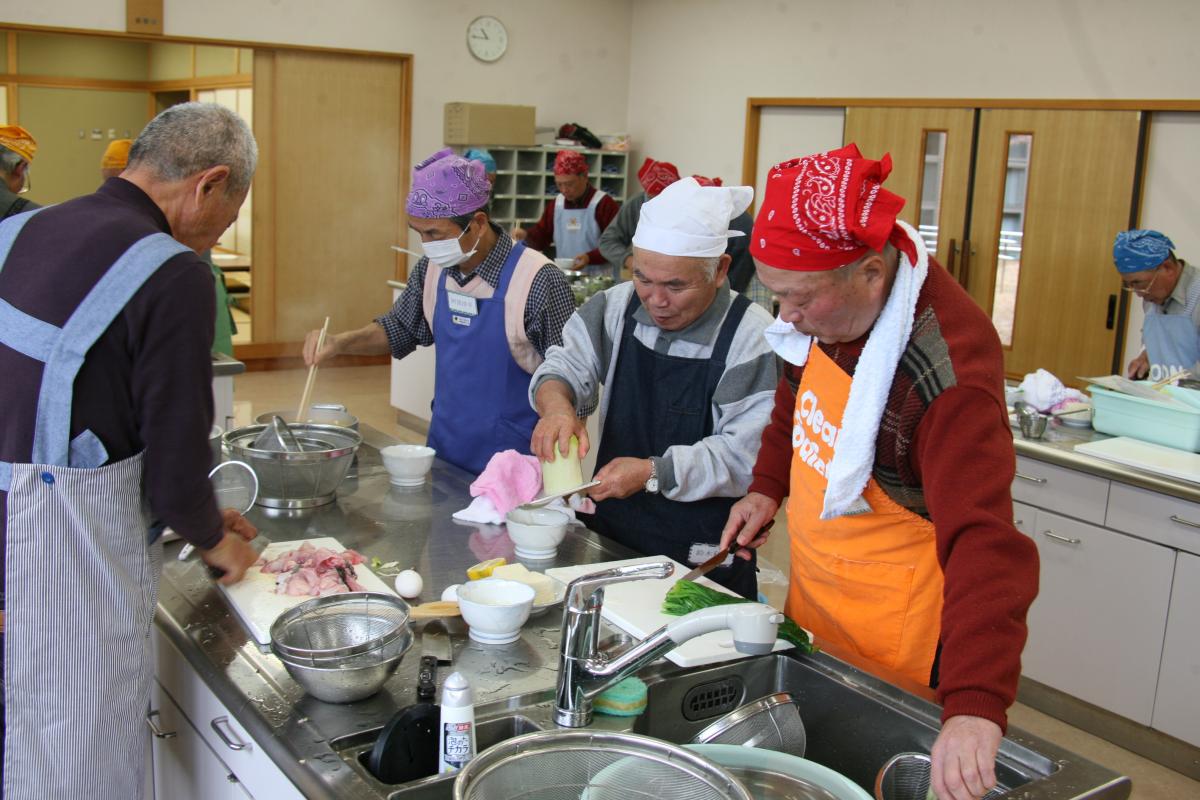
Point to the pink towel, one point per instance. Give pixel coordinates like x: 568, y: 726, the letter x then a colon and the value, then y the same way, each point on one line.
x: 508, y: 480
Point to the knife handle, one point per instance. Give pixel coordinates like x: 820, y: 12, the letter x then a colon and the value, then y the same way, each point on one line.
x: 427, y: 678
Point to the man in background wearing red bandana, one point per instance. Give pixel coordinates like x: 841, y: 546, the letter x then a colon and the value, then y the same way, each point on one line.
x: 890, y: 441
x: 576, y: 218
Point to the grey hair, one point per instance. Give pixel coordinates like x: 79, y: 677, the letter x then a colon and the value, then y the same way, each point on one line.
x: 9, y: 161
x: 890, y: 256
x: 709, y: 265
x: 192, y: 137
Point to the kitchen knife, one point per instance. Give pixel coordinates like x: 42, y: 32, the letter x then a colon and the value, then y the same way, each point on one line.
x: 719, y: 558
x: 435, y: 641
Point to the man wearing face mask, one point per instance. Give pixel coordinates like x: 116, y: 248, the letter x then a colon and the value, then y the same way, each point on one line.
x: 492, y: 306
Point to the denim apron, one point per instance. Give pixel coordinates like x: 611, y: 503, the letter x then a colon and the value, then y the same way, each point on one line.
x: 1172, y: 341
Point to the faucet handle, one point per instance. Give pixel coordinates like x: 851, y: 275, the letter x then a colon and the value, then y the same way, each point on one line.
x: 586, y: 592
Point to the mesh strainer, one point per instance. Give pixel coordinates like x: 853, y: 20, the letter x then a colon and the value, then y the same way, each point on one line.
x: 337, y: 626
x: 772, y: 723
x: 906, y: 776
x: 590, y: 765
x: 234, y: 485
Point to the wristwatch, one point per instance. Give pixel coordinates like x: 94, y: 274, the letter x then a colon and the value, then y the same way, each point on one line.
x: 652, y: 481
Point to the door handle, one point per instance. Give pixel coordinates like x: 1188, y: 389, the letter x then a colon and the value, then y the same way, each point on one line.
x: 1111, y: 316
x: 1064, y: 539
x: 1182, y: 521
x: 952, y: 259
x: 231, y: 739
x: 159, y: 733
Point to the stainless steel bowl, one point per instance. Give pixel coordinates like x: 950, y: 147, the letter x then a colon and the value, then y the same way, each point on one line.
x: 352, y: 678
x: 338, y: 626
x: 297, y: 480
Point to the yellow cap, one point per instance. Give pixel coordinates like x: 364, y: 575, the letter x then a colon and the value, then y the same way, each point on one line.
x: 116, y: 155
x: 19, y: 140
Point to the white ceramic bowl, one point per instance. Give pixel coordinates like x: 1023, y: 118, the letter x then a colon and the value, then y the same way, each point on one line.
x: 536, y: 532
x: 495, y: 609
x: 407, y: 464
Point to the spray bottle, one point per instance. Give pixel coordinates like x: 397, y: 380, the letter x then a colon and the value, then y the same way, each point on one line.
x: 456, y: 734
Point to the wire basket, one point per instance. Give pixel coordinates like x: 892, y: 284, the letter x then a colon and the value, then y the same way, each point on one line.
x: 338, y: 627
x: 588, y: 765
x: 772, y: 723
x: 908, y: 776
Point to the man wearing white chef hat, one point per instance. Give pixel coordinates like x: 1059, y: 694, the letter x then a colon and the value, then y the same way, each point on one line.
x: 688, y: 384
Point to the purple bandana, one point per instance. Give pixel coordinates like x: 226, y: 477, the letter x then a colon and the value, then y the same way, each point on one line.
x: 445, y: 185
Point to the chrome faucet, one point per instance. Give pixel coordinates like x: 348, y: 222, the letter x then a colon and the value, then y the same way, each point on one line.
x: 584, y: 672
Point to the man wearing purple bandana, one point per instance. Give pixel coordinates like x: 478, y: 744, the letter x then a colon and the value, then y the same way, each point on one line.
x: 1170, y: 293
x: 492, y: 305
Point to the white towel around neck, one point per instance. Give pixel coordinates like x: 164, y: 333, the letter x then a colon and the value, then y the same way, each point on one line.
x: 854, y: 458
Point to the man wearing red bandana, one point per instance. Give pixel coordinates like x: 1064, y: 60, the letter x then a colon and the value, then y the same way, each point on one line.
x: 576, y: 218
x: 890, y: 441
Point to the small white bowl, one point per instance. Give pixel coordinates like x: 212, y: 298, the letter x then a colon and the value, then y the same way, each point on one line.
x: 536, y: 532
x: 495, y: 609
x: 407, y: 464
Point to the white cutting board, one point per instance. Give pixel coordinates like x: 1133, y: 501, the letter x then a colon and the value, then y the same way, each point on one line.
x: 1147, y: 456
x: 258, y: 606
x: 636, y: 608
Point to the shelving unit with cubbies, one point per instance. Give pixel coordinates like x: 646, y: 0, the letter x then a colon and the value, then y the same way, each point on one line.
x: 525, y: 180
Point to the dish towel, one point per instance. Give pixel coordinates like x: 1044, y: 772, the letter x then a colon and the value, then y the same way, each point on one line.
x: 855, y: 456
x: 508, y: 480
x: 1046, y: 393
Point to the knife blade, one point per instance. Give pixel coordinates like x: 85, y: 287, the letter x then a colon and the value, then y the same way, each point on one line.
x: 719, y: 558
x: 435, y: 641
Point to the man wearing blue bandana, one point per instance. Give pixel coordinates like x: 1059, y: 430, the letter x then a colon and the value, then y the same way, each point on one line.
x: 1170, y: 293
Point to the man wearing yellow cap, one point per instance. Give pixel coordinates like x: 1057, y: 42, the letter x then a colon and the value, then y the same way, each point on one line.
x: 116, y: 155
x: 16, y: 151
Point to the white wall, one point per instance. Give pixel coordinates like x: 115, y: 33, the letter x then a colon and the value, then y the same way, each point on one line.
x: 570, y: 58
x: 694, y: 62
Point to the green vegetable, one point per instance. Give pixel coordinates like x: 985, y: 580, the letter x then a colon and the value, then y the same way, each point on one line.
x: 688, y: 596
x: 376, y: 562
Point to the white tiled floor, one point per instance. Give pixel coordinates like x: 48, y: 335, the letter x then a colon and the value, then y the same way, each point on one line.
x: 364, y: 391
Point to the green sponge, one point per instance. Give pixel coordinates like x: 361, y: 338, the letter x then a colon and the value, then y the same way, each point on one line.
x: 624, y: 699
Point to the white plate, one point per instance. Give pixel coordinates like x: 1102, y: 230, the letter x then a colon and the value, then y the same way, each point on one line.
x: 560, y: 591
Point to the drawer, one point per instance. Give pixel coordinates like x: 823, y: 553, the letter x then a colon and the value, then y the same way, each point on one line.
x: 217, y: 727
x: 1157, y: 517
x: 1064, y: 491
x: 1177, y: 705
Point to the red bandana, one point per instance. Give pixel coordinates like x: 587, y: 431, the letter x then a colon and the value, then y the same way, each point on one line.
x: 703, y: 181
x: 827, y: 210
x: 569, y: 162
x: 656, y: 176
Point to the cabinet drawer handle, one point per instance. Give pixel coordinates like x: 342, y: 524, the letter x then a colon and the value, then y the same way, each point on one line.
x: 230, y: 739
x: 159, y: 733
x: 1031, y: 478
x: 1057, y: 538
x: 1182, y: 521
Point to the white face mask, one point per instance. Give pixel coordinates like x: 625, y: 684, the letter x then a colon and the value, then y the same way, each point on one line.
x: 448, y: 252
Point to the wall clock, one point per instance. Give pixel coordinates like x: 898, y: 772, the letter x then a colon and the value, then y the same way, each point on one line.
x: 487, y: 38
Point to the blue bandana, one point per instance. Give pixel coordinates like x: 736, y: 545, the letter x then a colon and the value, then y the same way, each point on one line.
x: 483, y: 157
x: 1140, y: 250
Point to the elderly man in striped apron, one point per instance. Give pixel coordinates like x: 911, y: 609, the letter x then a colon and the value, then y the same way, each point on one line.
x: 106, y: 318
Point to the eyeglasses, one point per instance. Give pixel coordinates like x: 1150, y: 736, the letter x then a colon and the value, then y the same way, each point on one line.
x: 1141, y: 287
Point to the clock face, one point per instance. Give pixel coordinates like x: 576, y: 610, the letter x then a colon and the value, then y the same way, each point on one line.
x: 487, y: 38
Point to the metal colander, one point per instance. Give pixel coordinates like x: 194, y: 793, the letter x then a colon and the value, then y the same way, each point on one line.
x: 338, y: 627
x: 772, y: 723
x: 588, y: 765
x: 907, y: 776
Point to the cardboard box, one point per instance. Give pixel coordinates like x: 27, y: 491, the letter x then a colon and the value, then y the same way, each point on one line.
x: 484, y: 124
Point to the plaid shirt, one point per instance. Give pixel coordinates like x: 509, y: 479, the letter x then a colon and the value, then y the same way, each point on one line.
x: 549, y: 307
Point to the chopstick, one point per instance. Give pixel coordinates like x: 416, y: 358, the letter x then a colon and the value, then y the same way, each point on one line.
x: 1170, y: 378
x: 302, y: 412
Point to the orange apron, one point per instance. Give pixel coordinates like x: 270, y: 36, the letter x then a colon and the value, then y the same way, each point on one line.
x: 869, y: 582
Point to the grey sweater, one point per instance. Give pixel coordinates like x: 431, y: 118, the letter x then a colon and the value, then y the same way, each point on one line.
x: 616, y: 243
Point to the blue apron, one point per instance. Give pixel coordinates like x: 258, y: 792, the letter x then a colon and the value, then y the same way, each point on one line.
x: 480, y: 394
x: 77, y: 664
x: 656, y: 401
x: 576, y: 230
x: 1172, y: 341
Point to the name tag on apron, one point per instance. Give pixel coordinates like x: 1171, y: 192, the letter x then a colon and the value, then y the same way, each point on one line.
x: 574, y: 224
x: 458, y: 319
x: 462, y: 304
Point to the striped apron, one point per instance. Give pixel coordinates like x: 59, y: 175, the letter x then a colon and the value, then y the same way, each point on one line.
x: 81, y: 570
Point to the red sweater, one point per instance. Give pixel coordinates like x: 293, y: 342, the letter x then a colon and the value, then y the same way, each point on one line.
x: 541, y: 234
x: 945, y: 452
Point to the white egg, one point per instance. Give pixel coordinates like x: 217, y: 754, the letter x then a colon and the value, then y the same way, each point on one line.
x: 409, y: 583
x: 450, y: 593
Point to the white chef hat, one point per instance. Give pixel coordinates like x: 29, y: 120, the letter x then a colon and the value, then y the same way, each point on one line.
x: 687, y: 219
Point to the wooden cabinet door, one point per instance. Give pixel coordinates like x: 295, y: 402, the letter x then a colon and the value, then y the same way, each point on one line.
x: 1052, y: 188
x: 931, y: 164
x: 1177, y: 706
x: 1096, y: 627
x: 185, y: 767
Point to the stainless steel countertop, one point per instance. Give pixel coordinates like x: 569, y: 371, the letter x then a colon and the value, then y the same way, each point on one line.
x: 223, y: 365
x: 412, y: 526
x: 1058, y: 447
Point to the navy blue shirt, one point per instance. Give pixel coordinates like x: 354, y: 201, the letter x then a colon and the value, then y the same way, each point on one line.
x: 146, y: 384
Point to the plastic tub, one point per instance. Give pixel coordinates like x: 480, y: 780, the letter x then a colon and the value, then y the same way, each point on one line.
x: 1125, y: 415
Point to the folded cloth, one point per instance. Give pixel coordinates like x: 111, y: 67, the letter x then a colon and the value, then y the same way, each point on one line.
x: 508, y: 480
x: 1046, y: 393
x: 855, y: 455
